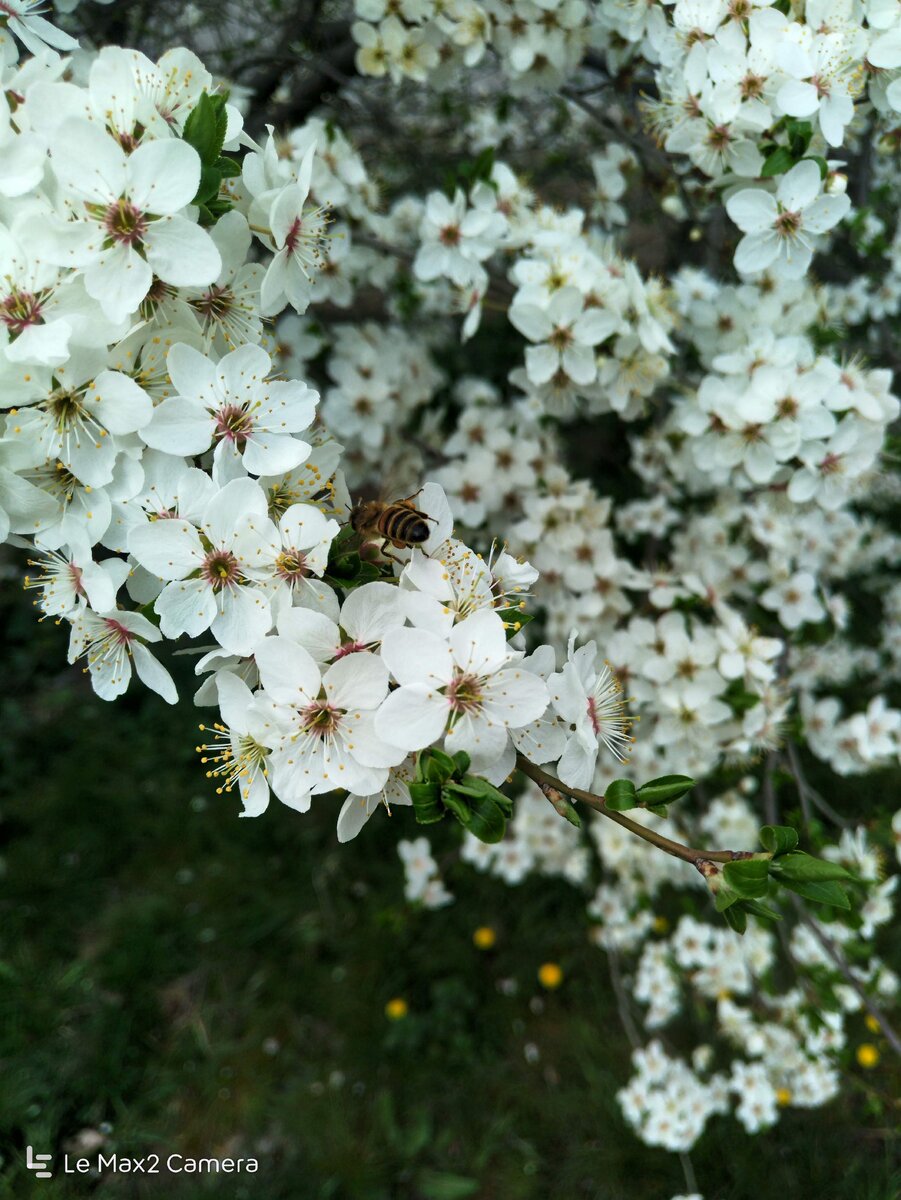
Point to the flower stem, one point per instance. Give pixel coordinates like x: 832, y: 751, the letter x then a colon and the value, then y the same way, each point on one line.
x: 690, y: 854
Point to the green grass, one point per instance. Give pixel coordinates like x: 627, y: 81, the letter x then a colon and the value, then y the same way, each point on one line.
x: 210, y: 986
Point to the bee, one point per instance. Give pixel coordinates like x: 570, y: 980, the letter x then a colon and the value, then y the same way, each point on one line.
x: 401, y: 523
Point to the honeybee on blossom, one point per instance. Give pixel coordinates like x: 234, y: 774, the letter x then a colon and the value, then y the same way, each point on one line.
x: 399, y: 522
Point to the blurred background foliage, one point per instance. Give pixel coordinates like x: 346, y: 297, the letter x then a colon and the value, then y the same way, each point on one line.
x: 175, y: 980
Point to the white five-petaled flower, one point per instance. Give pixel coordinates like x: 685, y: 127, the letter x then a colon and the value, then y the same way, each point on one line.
x: 75, y: 414
x: 292, y: 555
x: 234, y: 406
x: 781, y: 229
x: 589, y: 699
x: 567, y: 333
x: 365, y: 617
x: 129, y: 224
x: 112, y: 642
x: 456, y: 237
x: 820, y: 74
x: 470, y: 686
x: 207, y: 586
x: 23, y: 18
x: 323, y: 734
x: 69, y: 582
x: 294, y: 233
x: 238, y: 755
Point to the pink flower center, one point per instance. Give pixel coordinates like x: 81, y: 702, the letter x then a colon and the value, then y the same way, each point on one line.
x: 118, y: 632
x: 18, y: 310
x: 233, y: 424
x: 291, y: 565
x: 719, y: 137
x: 214, y: 304
x: 321, y: 719
x: 593, y: 715
x: 220, y: 569
x: 788, y: 223
x: 464, y: 694
x: 831, y: 464
x: 350, y: 648
x: 294, y: 235
x: 124, y: 223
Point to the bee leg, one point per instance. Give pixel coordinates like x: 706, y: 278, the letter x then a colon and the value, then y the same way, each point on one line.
x: 393, y: 557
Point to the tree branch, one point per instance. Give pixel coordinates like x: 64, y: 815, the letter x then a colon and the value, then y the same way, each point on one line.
x: 850, y: 978
x: 690, y: 854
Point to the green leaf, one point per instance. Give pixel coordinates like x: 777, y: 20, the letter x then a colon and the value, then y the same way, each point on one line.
x: 228, y: 168
x: 440, y: 1185
x: 799, y: 135
x: 481, y: 789
x: 820, y: 162
x: 208, y: 188
x: 827, y: 892
x: 461, y: 762
x: 665, y: 789
x: 761, y: 910
x: 514, y: 619
x: 777, y: 163
x: 778, y: 839
x: 739, y: 699
x: 484, y: 163
x: 621, y: 795
x: 736, y: 918
x: 749, y: 877
x: 349, y: 571
x: 487, y: 821
x: 434, y: 766
x: 804, y: 868
x: 206, y: 126
x: 457, y: 805
x: 724, y: 898
x: 426, y: 799
x: 213, y: 210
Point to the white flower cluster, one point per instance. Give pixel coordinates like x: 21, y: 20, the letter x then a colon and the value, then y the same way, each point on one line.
x: 423, y: 883
x: 755, y: 94
x: 155, y: 467
x: 667, y: 1103
x: 167, y: 463
x: 421, y: 39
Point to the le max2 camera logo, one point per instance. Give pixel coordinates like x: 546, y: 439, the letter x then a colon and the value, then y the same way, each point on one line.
x: 150, y: 1164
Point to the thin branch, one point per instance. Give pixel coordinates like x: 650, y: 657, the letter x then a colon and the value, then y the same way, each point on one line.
x: 769, y: 794
x: 688, y: 1170
x: 698, y: 858
x: 622, y: 999
x: 834, y: 952
x: 655, y: 160
x: 808, y: 793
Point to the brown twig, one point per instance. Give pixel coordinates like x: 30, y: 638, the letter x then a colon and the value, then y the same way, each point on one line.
x: 807, y: 793
x: 700, y: 859
x: 850, y: 978
x: 622, y: 999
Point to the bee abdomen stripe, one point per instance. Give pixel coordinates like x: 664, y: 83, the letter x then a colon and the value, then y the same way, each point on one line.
x: 402, y: 525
